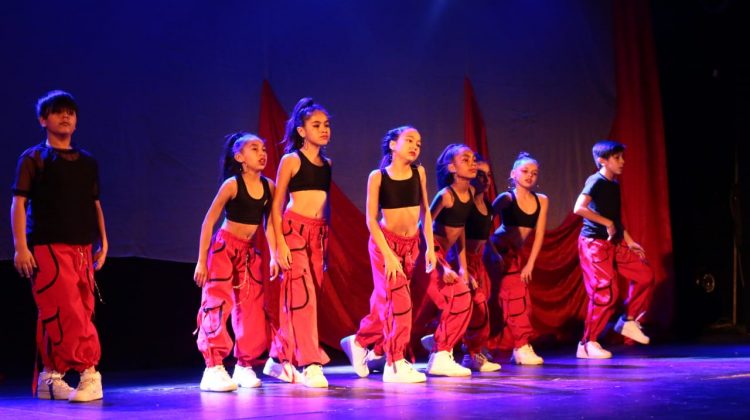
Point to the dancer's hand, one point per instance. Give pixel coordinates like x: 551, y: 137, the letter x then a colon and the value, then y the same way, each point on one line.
x: 611, y: 231
x: 393, y: 267
x: 25, y: 263
x: 100, y: 256
x: 201, y: 273
x: 283, y: 256
x: 638, y: 249
x: 449, y: 276
x: 526, y: 273
x: 430, y: 261
x: 273, y: 269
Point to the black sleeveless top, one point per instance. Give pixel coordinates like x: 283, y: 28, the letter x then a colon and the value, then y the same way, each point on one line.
x: 456, y: 216
x: 396, y: 194
x: 514, y: 216
x: 310, y: 176
x: 478, y: 225
x: 245, y: 209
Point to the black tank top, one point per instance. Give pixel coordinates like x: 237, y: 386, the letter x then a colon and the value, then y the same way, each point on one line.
x: 478, y: 225
x: 396, y: 194
x: 514, y: 216
x: 245, y: 209
x: 310, y: 176
x: 456, y: 216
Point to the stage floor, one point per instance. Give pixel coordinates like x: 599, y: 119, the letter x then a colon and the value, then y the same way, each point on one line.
x: 658, y: 381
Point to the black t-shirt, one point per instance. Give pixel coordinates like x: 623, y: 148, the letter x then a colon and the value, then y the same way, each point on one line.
x: 605, y: 200
x: 62, y: 186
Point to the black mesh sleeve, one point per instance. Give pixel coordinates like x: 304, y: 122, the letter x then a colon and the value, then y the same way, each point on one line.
x: 26, y: 170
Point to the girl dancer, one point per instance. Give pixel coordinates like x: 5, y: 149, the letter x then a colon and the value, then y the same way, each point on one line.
x: 478, y: 230
x: 301, y: 241
x: 230, y: 274
x: 399, y: 190
x: 449, y: 290
x: 522, y: 211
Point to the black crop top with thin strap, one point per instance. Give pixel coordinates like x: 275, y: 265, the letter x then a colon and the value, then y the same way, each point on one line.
x: 456, y: 216
x: 478, y: 225
x: 311, y: 176
x: 243, y: 208
x: 396, y: 194
x: 514, y: 216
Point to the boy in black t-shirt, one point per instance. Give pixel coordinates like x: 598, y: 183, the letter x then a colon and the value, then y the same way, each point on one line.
x: 606, y: 249
x: 56, y: 217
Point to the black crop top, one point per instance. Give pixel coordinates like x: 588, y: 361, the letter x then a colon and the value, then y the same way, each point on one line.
x: 243, y: 208
x: 478, y: 225
x: 396, y: 194
x: 310, y: 176
x: 456, y: 216
x: 514, y: 216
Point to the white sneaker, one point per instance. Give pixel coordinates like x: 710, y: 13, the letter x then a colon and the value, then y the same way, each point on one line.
x: 525, y: 355
x: 375, y: 362
x: 402, y: 372
x: 216, y: 379
x: 632, y: 329
x: 245, y: 377
x: 428, y: 342
x: 312, y: 377
x: 443, y: 364
x: 592, y: 350
x: 89, y: 388
x: 357, y: 355
x: 479, y: 363
x: 282, y: 371
x: 52, y: 386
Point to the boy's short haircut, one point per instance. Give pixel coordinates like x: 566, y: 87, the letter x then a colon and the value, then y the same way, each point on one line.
x: 606, y: 148
x: 55, y: 101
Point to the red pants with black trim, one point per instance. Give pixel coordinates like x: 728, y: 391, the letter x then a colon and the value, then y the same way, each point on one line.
x: 515, y: 299
x: 601, y: 261
x: 296, y: 341
x: 234, y: 286
x: 454, y: 302
x: 63, y: 289
x: 478, y: 331
x: 388, y: 325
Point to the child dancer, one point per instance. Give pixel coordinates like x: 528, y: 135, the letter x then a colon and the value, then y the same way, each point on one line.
x: 59, y: 183
x: 231, y: 275
x: 301, y: 242
x: 478, y: 230
x: 399, y: 190
x: 606, y: 249
x: 449, y: 290
x: 522, y: 211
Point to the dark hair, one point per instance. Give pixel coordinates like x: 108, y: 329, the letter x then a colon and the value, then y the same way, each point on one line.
x: 391, y: 135
x: 55, y: 101
x: 233, y: 144
x: 522, y: 158
x: 444, y: 176
x: 301, y: 112
x: 606, y: 148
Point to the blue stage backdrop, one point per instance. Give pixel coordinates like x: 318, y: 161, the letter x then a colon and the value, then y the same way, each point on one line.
x: 159, y: 83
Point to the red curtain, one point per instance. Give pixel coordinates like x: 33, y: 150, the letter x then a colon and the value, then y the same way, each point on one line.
x: 639, y: 125
x: 348, y: 282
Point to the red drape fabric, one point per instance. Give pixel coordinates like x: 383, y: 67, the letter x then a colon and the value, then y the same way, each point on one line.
x: 639, y: 125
